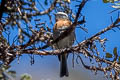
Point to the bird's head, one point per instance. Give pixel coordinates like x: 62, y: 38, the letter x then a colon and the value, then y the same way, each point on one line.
x: 61, y: 15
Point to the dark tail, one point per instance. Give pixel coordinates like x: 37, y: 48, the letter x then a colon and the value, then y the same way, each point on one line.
x: 63, y: 65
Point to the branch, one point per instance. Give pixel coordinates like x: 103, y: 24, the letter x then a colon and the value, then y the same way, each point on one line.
x: 77, y: 48
x: 2, y: 7
x: 113, y: 25
x: 46, y: 11
x: 94, y: 67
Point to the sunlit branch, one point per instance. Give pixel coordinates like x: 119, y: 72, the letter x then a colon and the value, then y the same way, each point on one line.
x: 46, y: 11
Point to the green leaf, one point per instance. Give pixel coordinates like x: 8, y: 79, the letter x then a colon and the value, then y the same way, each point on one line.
x: 112, y: 1
x: 116, y: 0
x: 12, y: 73
x: 4, y: 67
x: 115, y: 52
x: 117, y: 4
x: 108, y: 55
x: 26, y: 77
x: 105, y: 1
x: 1, y: 76
x: 7, y: 67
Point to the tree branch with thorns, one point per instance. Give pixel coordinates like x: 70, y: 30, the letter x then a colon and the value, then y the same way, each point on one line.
x: 27, y: 39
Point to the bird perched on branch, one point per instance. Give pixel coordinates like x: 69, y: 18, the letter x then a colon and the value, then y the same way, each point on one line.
x: 62, y: 24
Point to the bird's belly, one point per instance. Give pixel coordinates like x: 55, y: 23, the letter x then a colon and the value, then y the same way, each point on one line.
x: 66, y: 42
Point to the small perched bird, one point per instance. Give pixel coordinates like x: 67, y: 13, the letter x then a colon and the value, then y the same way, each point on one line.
x: 63, y: 23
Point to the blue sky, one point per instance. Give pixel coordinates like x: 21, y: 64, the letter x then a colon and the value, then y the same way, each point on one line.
x: 47, y: 67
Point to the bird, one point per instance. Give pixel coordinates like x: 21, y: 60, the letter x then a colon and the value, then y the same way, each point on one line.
x: 63, y: 23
